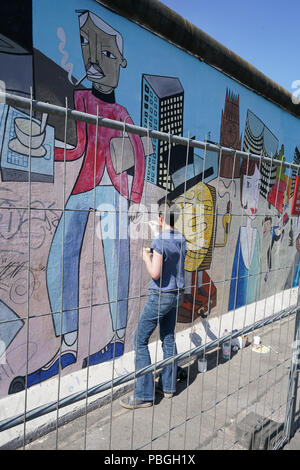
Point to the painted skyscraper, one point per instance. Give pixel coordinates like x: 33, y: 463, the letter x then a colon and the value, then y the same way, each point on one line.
x: 162, y: 110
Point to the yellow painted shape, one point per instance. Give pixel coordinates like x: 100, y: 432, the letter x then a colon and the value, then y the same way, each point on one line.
x: 196, y: 222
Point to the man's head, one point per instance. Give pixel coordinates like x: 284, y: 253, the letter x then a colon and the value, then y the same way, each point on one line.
x: 102, y: 51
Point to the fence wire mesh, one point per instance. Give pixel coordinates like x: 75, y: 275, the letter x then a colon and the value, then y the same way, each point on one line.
x: 76, y: 219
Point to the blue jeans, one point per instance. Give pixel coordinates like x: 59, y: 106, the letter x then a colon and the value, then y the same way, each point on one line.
x: 159, y: 309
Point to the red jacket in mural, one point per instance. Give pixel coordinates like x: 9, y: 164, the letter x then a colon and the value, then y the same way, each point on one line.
x: 86, y: 102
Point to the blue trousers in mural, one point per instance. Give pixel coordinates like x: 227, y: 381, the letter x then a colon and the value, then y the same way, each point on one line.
x: 64, y: 257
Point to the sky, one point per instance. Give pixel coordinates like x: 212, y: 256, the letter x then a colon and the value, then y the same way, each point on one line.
x: 263, y: 35
x: 263, y: 32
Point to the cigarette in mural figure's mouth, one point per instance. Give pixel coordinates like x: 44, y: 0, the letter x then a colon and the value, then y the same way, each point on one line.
x: 91, y: 76
x: 95, y: 72
x: 81, y: 80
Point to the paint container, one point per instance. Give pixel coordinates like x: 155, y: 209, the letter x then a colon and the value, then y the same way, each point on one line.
x: 202, y: 364
x: 256, y: 341
x: 226, y: 350
x: 235, y: 344
x: 242, y: 341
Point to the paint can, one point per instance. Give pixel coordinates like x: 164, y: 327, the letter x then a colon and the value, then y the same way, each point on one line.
x: 256, y: 340
x: 226, y: 350
x: 202, y: 365
x: 243, y: 340
x: 235, y: 344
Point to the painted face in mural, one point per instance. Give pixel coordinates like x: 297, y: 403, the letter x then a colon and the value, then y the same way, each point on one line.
x: 267, y: 226
x: 197, y: 221
x: 101, y: 55
x: 250, y: 193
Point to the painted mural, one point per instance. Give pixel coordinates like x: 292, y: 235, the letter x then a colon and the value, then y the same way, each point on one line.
x: 72, y: 283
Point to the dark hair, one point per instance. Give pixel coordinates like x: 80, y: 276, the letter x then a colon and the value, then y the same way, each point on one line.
x: 169, y: 211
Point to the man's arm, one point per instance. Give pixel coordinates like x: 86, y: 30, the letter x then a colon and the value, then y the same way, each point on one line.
x: 153, y: 264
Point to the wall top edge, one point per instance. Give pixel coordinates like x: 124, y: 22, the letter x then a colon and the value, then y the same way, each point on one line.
x: 161, y: 20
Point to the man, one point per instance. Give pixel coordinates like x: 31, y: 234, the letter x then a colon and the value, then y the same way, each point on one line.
x: 98, y: 184
x: 165, y: 265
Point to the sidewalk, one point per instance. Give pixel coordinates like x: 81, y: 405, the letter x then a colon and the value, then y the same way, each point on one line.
x: 217, y: 411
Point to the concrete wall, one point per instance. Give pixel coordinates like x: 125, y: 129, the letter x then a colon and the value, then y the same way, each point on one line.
x: 153, y: 82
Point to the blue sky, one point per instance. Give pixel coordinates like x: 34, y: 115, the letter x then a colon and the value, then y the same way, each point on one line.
x: 263, y: 32
x: 204, y: 87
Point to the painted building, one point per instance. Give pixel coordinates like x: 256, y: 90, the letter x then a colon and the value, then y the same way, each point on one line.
x: 162, y: 109
x: 82, y: 288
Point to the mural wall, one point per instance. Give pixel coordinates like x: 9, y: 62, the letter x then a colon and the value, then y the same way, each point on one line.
x: 72, y: 281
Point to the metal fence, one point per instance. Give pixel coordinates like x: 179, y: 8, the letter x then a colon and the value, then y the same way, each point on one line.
x: 246, y: 399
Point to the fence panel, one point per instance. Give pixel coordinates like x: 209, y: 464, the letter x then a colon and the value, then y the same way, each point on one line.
x: 74, y: 223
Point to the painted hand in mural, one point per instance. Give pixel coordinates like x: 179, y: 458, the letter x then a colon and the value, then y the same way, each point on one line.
x: 122, y: 152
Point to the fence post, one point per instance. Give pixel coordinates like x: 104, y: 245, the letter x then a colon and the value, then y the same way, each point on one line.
x: 289, y: 422
x: 293, y: 379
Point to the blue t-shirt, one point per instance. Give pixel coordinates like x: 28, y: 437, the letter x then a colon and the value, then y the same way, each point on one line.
x: 171, y: 244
